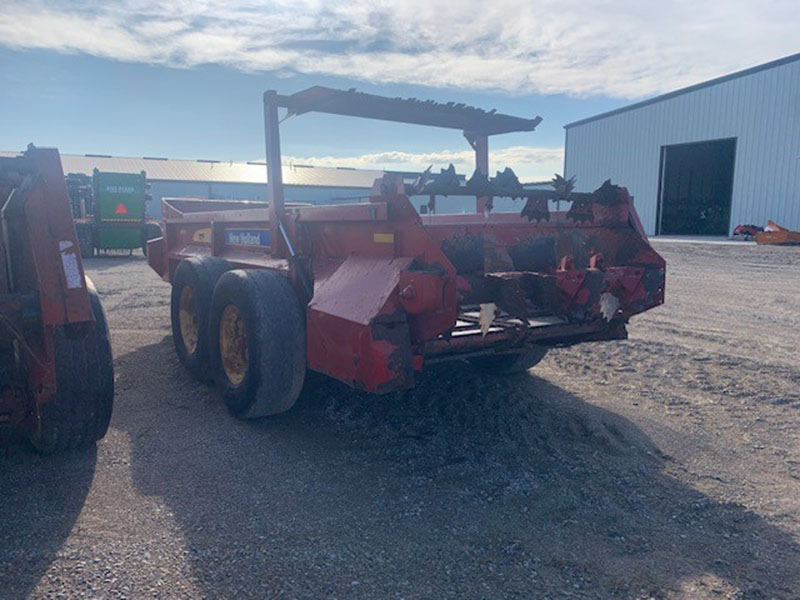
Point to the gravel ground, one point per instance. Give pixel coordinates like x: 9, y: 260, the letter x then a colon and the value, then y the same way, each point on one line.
x: 664, y: 466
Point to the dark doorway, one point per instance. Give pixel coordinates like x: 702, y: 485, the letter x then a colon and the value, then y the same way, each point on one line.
x: 695, y: 188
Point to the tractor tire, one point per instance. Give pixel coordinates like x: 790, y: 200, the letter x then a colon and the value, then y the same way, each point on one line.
x: 258, y: 342
x: 80, y: 411
x: 507, y: 364
x: 85, y: 239
x: 190, y: 304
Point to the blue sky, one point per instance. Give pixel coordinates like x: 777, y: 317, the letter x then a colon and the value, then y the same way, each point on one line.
x: 136, y: 78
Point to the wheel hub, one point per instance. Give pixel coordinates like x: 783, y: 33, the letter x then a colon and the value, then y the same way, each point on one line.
x: 187, y: 318
x: 233, y: 344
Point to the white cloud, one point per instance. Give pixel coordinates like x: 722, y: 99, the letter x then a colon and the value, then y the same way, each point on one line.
x: 628, y: 48
x: 529, y: 163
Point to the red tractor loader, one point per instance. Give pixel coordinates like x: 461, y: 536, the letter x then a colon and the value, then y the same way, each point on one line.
x: 370, y: 293
x: 56, y: 372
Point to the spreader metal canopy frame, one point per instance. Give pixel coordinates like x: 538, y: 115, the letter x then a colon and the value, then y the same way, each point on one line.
x: 450, y: 115
x: 476, y: 124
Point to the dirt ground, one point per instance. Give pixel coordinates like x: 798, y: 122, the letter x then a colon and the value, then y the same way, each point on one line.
x: 664, y: 466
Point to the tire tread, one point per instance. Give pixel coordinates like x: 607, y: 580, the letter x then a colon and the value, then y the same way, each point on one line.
x: 276, y: 330
x: 80, y: 411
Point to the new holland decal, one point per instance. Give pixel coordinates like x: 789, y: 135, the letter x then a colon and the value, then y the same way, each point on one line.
x: 247, y: 237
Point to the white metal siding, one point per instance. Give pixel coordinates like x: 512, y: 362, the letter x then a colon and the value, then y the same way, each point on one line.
x: 761, y: 110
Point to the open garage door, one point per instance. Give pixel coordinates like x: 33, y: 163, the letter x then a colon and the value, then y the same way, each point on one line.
x: 695, y: 188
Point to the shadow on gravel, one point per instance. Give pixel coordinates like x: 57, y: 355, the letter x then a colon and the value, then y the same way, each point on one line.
x: 467, y: 486
x: 40, y: 499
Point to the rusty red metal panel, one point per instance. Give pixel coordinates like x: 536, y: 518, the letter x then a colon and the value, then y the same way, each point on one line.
x: 402, y: 235
x: 50, y: 261
x: 362, y: 288
x: 422, y: 291
x: 356, y: 330
x: 374, y: 211
x: 157, y: 256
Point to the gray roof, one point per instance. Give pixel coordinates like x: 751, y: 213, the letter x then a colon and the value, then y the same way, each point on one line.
x: 161, y: 169
x: 691, y: 88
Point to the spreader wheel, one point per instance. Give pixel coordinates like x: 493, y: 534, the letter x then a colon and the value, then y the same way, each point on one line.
x: 189, y: 308
x: 505, y: 364
x: 79, y: 413
x: 257, y: 341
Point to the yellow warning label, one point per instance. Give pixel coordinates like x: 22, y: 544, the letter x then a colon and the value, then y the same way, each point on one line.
x: 202, y: 235
x: 383, y: 238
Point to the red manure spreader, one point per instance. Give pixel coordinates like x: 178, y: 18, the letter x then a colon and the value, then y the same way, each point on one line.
x: 370, y: 293
x: 56, y: 370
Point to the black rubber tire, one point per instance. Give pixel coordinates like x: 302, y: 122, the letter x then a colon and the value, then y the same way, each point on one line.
x: 202, y: 275
x: 79, y: 413
x: 276, y: 340
x: 506, y: 364
x: 85, y: 239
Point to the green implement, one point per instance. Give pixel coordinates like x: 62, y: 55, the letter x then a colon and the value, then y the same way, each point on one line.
x: 119, y: 210
x: 115, y: 213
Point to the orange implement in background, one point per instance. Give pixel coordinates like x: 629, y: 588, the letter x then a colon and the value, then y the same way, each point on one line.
x: 775, y: 234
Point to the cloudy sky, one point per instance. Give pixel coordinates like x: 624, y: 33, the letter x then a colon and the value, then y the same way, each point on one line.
x: 183, y: 79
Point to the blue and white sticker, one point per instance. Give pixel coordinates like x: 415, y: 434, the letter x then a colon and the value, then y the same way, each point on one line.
x: 247, y: 237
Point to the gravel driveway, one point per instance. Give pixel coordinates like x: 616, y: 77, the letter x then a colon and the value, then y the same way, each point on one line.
x: 664, y: 466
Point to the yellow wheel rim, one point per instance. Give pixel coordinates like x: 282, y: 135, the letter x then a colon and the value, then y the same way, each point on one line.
x: 233, y: 344
x: 187, y: 317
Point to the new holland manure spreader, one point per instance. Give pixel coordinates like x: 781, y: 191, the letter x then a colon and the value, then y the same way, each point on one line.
x: 370, y: 293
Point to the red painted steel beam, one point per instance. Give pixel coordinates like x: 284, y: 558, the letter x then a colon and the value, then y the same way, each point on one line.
x: 274, y: 173
x: 44, y: 251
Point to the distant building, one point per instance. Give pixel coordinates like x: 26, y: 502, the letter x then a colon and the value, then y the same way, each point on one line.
x: 213, y: 179
x: 227, y: 180
x: 705, y: 158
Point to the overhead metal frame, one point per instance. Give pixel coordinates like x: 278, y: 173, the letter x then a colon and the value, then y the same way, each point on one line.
x: 449, y: 115
x: 476, y: 125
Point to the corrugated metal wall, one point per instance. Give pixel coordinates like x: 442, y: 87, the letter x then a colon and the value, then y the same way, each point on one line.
x: 761, y: 110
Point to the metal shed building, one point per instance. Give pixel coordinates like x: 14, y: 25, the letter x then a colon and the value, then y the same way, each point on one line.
x: 229, y: 180
x: 226, y: 180
x: 705, y: 158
